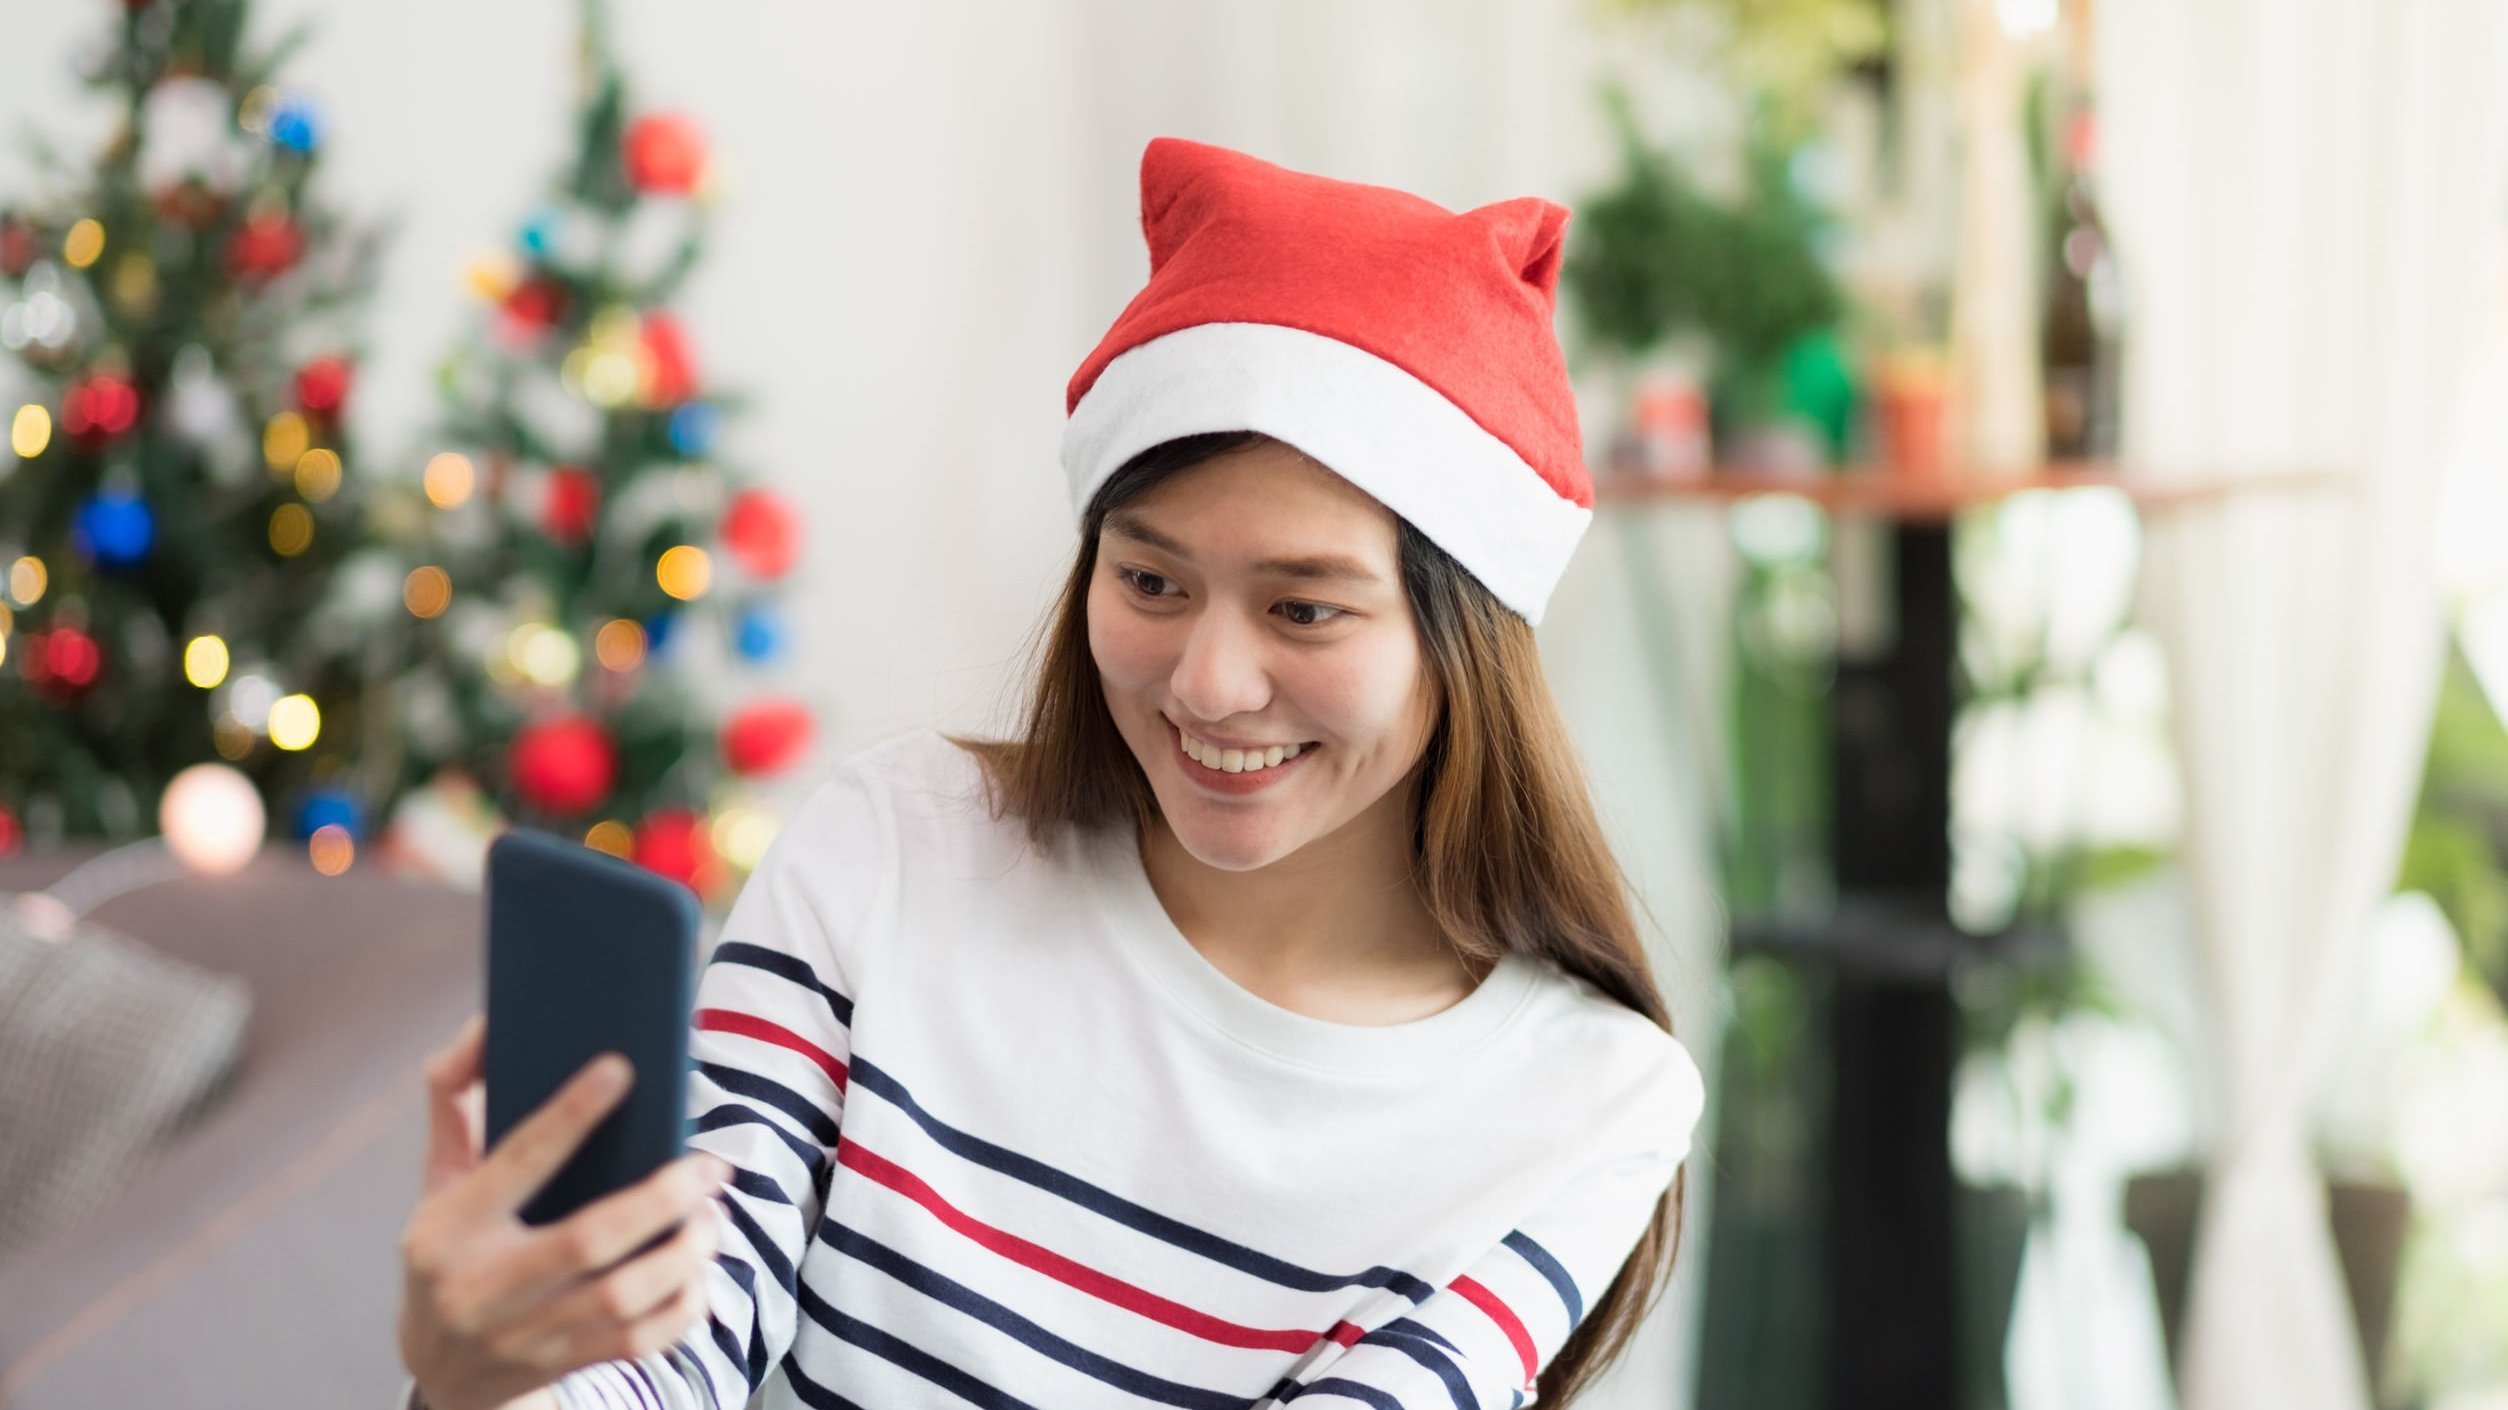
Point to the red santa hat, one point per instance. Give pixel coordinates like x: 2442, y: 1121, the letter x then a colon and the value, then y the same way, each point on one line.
x: 1406, y: 346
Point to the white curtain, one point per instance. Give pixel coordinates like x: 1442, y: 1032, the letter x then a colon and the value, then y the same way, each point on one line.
x: 2302, y: 192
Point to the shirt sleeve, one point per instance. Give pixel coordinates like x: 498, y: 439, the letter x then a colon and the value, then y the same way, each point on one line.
x: 1478, y: 1342
x: 768, y: 1051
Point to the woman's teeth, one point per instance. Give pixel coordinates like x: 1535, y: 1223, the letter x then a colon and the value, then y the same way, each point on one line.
x: 1236, y: 761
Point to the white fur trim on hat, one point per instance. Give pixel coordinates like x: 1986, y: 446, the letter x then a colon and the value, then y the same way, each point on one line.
x: 1370, y: 421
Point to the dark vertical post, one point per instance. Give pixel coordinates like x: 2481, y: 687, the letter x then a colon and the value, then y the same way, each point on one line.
x: 1892, y: 1313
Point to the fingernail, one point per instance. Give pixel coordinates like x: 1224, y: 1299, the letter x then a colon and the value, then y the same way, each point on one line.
x: 719, y: 1168
x: 610, y: 1072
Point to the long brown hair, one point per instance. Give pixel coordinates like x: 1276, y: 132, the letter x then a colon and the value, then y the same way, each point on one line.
x: 1499, y: 779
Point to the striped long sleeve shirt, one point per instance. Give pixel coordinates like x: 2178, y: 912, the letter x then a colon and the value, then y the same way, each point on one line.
x: 1004, y: 1138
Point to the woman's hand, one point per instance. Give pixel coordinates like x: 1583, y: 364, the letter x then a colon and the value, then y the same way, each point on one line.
x: 493, y: 1309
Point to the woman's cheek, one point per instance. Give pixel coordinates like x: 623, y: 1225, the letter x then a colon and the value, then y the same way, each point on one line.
x: 1362, y: 689
x: 1122, y: 645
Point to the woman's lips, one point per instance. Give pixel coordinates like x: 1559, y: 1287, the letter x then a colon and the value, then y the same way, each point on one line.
x: 1222, y: 781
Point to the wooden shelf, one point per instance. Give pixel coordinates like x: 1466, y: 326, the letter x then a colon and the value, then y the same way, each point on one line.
x: 1884, y: 493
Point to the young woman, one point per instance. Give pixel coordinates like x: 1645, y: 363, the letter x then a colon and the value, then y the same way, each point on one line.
x: 1266, y: 1021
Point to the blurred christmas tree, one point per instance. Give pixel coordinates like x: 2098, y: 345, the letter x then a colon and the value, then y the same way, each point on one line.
x: 587, y: 581
x: 177, y: 490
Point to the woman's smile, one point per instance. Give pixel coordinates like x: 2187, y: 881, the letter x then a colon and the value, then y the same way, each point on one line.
x: 1209, y: 766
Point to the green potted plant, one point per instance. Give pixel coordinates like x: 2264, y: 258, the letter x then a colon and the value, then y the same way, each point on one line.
x: 1656, y: 260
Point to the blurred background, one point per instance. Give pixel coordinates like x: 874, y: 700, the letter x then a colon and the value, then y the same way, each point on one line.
x: 2041, y: 649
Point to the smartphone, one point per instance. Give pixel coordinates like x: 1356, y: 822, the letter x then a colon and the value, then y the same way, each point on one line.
x: 587, y: 953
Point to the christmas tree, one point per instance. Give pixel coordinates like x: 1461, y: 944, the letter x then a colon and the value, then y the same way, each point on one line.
x: 589, y: 595
x: 178, y: 489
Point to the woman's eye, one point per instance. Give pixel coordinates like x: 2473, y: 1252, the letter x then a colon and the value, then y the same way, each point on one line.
x: 1295, y: 608
x: 1137, y: 579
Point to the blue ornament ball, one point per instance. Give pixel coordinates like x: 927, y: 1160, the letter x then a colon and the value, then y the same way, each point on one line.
x: 296, y: 125
x: 539, y: 234
x: 114, y: 529
x: 657, y: 633
x: 317, y: 808
x: 761, y: 634
x: 693, y: 427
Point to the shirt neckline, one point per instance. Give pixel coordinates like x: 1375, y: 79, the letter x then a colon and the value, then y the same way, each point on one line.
x: 1144, y: 928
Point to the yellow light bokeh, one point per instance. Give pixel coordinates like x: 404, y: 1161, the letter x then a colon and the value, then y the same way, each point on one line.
x: 491, y: 278
x: 611, y: 836
x: 135, y: 281
x: 448, y: 479
x: 546, y: 655
x: 205, y: 661
x: 427, y: 591
x: 619, y: 644
x: 253, y: 114
x: 84, y: 243
x: 291, y: 530
x: 684, y: 572
x: 30, y: 430
x: 318, y: 474
x: 26, y: 580
x: 740, y: 835
x: 284, y: 441
x: 610, y: 378
x: 331, y: 849
x: 295, y: 722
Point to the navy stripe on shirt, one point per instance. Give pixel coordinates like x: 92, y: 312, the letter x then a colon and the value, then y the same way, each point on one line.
x: 733, y: 1114
x: 1547, y: 1264
x: 787, y: 966
x: 820, y: 1125
x: 1123, y: 1211
x: 894, y: 1349
x: 1334, y: 1385
x: 1421, y: 1345
x: 944, y: 1289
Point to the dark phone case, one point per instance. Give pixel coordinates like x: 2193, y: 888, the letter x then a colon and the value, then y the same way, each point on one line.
x: 588, y: 953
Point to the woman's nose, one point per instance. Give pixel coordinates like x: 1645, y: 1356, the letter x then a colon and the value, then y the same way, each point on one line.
x: 1221, y: 672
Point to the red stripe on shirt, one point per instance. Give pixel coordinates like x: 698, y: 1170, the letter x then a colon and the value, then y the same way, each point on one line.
x: 751, y: 1026
x: 852, y: 1154
x: 1501, y: 1314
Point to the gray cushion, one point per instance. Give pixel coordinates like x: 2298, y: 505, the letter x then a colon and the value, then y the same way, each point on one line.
x: 252, y: 1261
x: 106, y: 1046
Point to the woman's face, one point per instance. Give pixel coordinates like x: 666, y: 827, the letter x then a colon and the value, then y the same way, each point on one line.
x: 1256, y: 600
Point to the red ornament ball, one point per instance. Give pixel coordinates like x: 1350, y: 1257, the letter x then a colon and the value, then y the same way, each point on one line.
x: 665, y: 154
x: 762, y: 531
x: 574, y: 501
x: 97, y: 408
x: 533, y: 307
x: 766, y: 736
x: 266, y: 245
x: 62, y: 664
x: 673, y: 842
x: 322, y: 386
x: 670, y: 373
x: 12, y: 834
x: 18, y: 246
x: 565, y: 764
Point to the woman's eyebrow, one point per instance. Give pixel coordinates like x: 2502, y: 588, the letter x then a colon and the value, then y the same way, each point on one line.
x: 1315, y: 567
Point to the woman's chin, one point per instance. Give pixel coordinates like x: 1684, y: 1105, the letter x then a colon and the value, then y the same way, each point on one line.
x: 1224, y: 838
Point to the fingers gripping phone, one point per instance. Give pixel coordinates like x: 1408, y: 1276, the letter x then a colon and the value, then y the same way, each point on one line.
x: 587, y: 953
